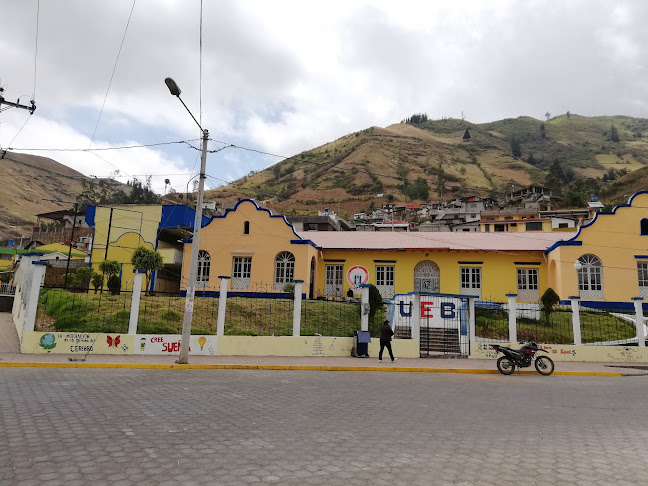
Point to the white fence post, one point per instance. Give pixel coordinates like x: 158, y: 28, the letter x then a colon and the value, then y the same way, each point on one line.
x: 364, y: 317
x: 471, y: 319
x: 512, y: 318
x: 575, y: 307
x: 416, y: 317
x: 222, y: 306
x: 297, y: 307
x: 135, y: 300
x: 35, y: 280
x: 641, y: 335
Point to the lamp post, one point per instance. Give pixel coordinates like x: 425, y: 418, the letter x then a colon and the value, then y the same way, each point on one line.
x: 578, y: 266
x: 183, y: 358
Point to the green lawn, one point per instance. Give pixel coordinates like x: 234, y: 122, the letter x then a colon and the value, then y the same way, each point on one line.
x: 596, y: 326
x: 66, y: 311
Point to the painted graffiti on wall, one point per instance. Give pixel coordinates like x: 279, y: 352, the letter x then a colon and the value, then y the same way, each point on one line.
x: 170, y: 344
x: 434, y: 311
x: 77, y: 343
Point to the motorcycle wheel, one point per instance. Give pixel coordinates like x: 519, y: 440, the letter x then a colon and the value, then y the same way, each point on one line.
x: 544, y: 365
x: 505, y: 366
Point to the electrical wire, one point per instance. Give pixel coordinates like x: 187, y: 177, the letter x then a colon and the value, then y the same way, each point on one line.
x: 113, y: 73
x: 97, y: 149
x: 36, y: 49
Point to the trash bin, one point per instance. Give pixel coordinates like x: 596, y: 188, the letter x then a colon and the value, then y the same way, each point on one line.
x: 361, y: 340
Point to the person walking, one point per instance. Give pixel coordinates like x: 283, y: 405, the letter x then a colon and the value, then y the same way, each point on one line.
x: 386, y: 334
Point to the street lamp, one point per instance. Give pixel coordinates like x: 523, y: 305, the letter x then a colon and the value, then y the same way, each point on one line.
x: 578, y: 266
x: 183, y: 358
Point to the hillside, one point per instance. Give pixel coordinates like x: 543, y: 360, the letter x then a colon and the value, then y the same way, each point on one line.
x: 347, y: 173
x: 32, y: 185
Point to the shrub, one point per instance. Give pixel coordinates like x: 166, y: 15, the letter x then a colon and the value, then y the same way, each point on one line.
x: 549, y: 299
x: 114, y: 284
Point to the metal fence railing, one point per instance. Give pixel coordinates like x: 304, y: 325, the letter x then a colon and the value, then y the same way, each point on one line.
x: 7, y: 288
x: 491, y: 321
x: 607, y: 328
x: 330, y: 317
x: 65, y: 310
x: 535, y: 324
x: 251, y: 316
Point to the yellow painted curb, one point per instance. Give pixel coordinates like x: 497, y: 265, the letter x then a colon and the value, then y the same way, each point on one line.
x: 18, y: 364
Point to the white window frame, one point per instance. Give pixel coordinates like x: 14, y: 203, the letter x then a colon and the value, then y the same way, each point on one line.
x: 470, y: 280
x: 642, y: 276
x: 204, y: 264
x: 590, y: 277
x: 385, y: 279
x: 333, y: 279
x: 528, y: 288
x: 284, y: 269
x: 241, y: 272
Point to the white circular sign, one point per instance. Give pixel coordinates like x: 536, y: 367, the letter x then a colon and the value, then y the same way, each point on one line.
x: 357, y: 276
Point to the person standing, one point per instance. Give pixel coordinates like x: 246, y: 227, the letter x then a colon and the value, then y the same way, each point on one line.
x: 386, y: 334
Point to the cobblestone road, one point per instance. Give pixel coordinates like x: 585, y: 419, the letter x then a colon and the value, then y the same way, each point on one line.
x: 71, y: 426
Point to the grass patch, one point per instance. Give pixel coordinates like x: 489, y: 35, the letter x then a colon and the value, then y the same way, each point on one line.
x: 596, y: 326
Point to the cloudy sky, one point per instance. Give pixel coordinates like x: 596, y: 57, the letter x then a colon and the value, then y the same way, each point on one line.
x: 286, y: 76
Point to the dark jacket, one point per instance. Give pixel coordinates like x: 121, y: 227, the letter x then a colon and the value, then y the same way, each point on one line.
x: 386, y: 332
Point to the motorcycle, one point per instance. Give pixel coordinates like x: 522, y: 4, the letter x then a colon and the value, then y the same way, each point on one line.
x: 522, y: 359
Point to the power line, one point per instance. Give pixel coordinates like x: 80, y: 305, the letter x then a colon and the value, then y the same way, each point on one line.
x: 36, y: 49
x: 113, y: 73
x: 97, y: 149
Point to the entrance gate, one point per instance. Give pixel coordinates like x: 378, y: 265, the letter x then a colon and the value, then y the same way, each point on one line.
x: 441, y: 322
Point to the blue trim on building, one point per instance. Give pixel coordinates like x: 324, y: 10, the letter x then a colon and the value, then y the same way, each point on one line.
x: 607, y: 306
x: 39, y: 263
x: 304, y: 242
x: 334, y: 261
x: 138, y: 270
x: 527, y: 263
x: 470, y: 263
x: 90, y: 216
x: 574, y: 239
x: 511, y: 295
x: 563, y: 243
x: 121, y: 268
x: 641, y: 257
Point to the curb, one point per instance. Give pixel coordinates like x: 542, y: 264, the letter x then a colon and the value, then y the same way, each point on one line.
x: 18, y: 364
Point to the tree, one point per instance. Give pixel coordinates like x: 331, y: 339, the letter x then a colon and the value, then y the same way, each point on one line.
x: 419, y: 190
x: 547, y: 116
x: 466, y: 135
x: 109, y: 267
x: 114, y: 284
x: 549, y: 299
x: 555, y: 177
x: 97, y: 281
x: 375, y: 302
x: 82, y: 275
x: 614, y: 134
x: 543, y: 133
x: 516, y: 148
x: 568, y: 114
x: 147, y: 260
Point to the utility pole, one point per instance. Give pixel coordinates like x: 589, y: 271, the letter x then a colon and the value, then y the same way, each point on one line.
x: 31, y: 107
x: 67, y: 268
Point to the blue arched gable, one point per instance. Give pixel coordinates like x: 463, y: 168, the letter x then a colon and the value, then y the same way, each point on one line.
x: 573, y: 241
x: 298, y: 240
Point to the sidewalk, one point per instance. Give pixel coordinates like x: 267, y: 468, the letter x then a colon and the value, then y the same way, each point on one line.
x: 10, y: 356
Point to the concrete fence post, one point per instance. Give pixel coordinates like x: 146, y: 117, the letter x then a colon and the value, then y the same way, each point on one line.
x: 416, y: 317
x: 641, y: 334
x: 135, y: 300
x: 364, y: 311
x: 471, y: 320
x: 297, y: 307
x: 222, y: 305
x: 512, y: 318
x: 34, y: 281
x: 575, y: 307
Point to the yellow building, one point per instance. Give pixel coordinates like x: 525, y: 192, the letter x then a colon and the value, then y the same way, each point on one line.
x: 612, y: 256
x: 119, y: 230
x: 261, y: 252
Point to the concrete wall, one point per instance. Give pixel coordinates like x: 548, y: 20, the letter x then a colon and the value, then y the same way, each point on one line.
x: 123, y: 344
x: 570, y: 352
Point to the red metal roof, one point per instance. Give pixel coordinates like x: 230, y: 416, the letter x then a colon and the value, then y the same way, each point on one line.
x: 470, y: 241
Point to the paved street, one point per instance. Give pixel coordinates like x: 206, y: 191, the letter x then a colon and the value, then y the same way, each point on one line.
x: 94, y: 426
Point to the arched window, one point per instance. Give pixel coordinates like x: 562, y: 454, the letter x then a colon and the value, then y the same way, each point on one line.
x: 427, y: 277
x: 644, y: 227
x: 204, y: 261
x: 284, y: 269
x: 590, y: 277
x: 246, y: 228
